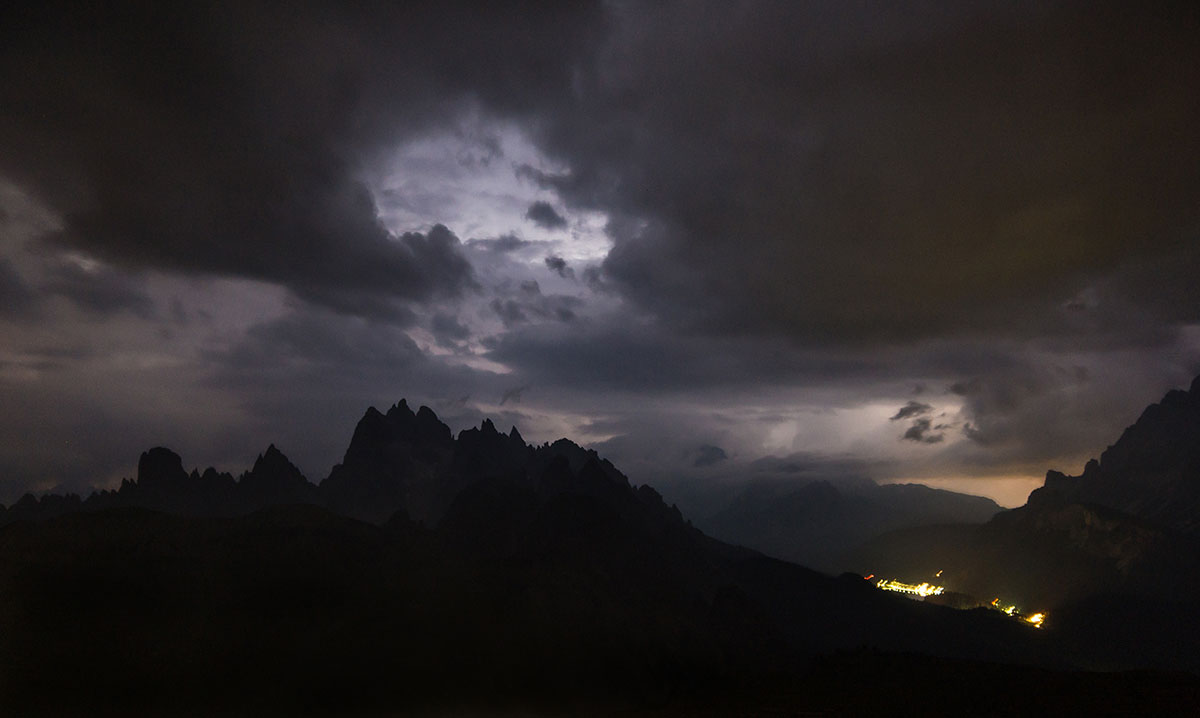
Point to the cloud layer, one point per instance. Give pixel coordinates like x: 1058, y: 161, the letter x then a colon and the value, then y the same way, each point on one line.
x: 933, y: 242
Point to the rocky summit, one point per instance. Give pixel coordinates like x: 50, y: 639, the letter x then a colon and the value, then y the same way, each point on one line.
x: 1152, y: 471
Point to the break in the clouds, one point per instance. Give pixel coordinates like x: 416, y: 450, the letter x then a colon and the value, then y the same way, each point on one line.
x: 504, y: 243
x: 673, y: 229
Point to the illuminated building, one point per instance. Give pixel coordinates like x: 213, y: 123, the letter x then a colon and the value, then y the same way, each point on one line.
x: 921, y: 589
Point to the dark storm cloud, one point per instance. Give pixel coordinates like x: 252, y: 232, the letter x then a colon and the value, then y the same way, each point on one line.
x: 911, y: 409
x: 15, y: 295
x: 559, y: 266
x: 509, y: 311
x: 629, y: 351
x: 526, y: 302
x: 1045, y: 414
x: 846, y: 198
x: 845, y: 172
x: 1021, y: 405
x: 317, y: 342
x: 709, y: 455
x: 880, y: 193
x: 596, y: 357
x: 625, y: 352
x: 101, y: 290
x: 867, y: 173
x: 545, y: 216
x: 232, y: 139
x: 49, y: 359
x: 923, y: 431
x: 447, y: 329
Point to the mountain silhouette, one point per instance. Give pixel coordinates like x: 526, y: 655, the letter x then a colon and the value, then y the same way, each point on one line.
x: 401, y: 461
x: 487, y: 574
x: 1152, y: 471
x: 273, y: 480
x: 394, y: 460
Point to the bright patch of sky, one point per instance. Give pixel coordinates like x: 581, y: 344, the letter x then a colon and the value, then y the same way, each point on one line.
x: 469, y: 179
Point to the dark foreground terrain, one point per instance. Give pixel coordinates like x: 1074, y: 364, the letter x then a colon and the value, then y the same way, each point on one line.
x: 562, y: 607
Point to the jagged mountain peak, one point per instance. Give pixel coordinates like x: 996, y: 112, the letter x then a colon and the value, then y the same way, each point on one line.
x: 398, y: 424
x: 1152, y: 471
x: 273, y: 461
x: 400, y: 408
x: 399, y: 461
x: 272, y: 454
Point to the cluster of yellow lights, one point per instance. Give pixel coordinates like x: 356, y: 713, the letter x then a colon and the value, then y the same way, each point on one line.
x: 1034, y: 619
x: 921, y: 589
x: 1006, y: 610
x: 927, y: 589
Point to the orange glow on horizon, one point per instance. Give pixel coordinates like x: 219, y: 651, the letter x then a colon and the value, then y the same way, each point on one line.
x: 1008, y: 491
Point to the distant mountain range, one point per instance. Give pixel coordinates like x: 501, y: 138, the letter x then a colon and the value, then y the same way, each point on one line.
x: 815, y: 523
x: 399, y: 461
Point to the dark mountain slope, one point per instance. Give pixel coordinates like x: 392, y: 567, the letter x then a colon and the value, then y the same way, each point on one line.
x: 816, y: 523
x: 1041, y: 558
x: 394, y: 460
x: 295, y: 609
x: 1152, y: 471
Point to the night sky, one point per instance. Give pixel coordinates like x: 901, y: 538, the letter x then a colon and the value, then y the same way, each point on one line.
x: 955, y: 242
